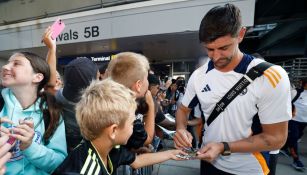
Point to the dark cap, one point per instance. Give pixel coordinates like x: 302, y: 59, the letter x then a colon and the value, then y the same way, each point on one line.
x: 153, y: 80
x: 78, y: 74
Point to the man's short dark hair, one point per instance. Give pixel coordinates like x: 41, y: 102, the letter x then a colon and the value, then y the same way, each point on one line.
x: 220, y: 21
x: 153, y: 80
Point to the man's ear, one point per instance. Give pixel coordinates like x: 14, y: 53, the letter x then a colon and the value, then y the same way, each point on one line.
x: 241, y: 34
x: 38, y: 77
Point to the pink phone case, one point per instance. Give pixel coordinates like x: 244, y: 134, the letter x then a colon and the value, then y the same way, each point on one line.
x: 11, y: 140
x: 56, y: 28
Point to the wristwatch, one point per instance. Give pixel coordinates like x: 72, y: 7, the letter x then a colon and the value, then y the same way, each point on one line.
x: 226, y: 151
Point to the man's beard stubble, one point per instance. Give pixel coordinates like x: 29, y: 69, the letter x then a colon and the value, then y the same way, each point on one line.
x: 222, y: 62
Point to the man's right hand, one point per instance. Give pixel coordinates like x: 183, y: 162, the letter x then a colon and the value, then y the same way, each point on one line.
x: 182, y: 139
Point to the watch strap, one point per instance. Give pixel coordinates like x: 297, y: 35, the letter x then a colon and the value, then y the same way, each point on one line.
x: 226, y: 151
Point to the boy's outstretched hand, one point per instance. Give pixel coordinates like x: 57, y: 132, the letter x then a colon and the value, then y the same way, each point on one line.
x: 177, y: 154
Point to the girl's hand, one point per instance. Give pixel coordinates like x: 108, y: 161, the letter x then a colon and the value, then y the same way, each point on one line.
x: 4, y: 130
x: 25, y: 133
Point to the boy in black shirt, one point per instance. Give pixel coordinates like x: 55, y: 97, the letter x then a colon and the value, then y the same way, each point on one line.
x: 105, y: 115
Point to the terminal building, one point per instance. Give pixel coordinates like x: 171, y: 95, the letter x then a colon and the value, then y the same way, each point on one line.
x: 165, y: 31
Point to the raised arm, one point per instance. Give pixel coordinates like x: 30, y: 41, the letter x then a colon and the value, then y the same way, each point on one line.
x: 150, y: 118
x: 51, y: 56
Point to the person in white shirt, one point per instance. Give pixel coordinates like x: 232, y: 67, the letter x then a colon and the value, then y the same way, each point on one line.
x: 228, y: 145
x: 298, y: 123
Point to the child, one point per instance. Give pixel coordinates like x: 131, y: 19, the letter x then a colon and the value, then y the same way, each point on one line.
x: 38, y: 129
x: 105, y: 114
x: 131, y: 70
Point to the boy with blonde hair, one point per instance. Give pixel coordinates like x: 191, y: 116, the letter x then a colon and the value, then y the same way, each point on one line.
x: 105, y: 114
x: 131, y: 70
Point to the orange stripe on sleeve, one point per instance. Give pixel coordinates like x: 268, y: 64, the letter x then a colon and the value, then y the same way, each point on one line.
x: 273, y: 75
x: 262, y: 163
x: 276, y: 72
x: 270, y: 79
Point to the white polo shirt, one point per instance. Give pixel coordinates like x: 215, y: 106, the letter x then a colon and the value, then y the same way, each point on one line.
x: 268, y: 95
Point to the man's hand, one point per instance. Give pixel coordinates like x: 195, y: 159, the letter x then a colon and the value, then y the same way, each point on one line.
x: 182, y: 139
x: 210, y: 151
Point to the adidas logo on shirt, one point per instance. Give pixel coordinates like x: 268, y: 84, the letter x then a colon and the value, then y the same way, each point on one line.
x: 206, y: 88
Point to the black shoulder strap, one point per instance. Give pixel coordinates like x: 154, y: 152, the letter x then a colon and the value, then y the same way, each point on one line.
x: 298, y: 94
x: 247, y: 79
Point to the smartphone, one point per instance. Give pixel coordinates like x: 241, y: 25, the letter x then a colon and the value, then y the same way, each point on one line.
x: 181, y: 156
x: 56, y: 28
x: 11, y: 139
x: 25, y: 119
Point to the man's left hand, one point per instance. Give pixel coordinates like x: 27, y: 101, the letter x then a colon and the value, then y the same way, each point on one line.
x: 210, y: 151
